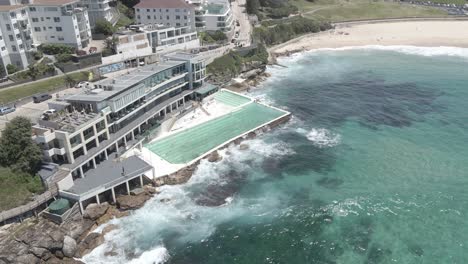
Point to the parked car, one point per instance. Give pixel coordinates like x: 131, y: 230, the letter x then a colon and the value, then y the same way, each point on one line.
x: 50, y: 111
x: 6, y: 110
x: 92, y: 50
x: 237, y: 23
x: 82, y: 85
x: 41, y: 97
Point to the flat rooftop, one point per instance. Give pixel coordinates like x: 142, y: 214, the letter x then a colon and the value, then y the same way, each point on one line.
x: 122, y: 82
x: 69, y: 122
x: 189, y: 144
x: 109, y: 173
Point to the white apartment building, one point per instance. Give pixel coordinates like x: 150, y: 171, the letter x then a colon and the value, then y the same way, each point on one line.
x: 167, y: 39
x: 213, y: 15
x: 101, y: 9
x: 24, y: 27
x: 60, y: 21
x: 16, y: 43
x: 170, y: 13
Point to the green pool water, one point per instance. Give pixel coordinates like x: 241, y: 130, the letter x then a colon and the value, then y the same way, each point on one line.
x: 231, y: 99
x: 187, y: 145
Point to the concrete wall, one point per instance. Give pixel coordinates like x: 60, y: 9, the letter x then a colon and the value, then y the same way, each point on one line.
x: 66, y: 183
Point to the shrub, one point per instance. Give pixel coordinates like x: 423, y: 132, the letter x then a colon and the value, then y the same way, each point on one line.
x: 37, y: 55
x: 11, y: 68
x: 103, y: 26
x: 63, y: 58
x: 53, y: 49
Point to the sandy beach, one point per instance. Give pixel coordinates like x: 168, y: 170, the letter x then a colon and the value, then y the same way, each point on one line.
x: 417, y: 33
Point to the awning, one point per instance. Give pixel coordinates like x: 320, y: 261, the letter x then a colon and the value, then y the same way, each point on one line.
x: 206, y: 89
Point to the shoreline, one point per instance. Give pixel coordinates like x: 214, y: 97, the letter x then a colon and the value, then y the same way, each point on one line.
x: 421, y: 32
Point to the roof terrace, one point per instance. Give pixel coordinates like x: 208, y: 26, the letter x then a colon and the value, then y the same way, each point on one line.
x: 68, y: 122
x: 107, y: 88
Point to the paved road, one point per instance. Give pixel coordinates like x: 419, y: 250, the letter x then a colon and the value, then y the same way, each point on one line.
x: 245, y: 28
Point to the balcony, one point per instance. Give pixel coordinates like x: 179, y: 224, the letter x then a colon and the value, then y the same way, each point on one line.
x: 54, y: 151
x: 45, y: 137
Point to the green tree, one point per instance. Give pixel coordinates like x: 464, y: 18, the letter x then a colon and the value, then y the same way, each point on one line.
x: 17, y: 149
x: 11, y: 68
x: 111, y: 44
x: 103, y: 26
x: 33, y: 72
x: 69, y: 81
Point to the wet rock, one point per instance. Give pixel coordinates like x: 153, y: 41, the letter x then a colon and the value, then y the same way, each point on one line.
x: 69, y: 247
x: 243, y: 147
x: 94, y: 211
x: 91, y: 241
x: 128, y: 202
x: 109, y: 228
x: 237, y: 141
x: 165, y: 200
x: 214, y: 157
x: 330, y: 183
x: 251, y: 135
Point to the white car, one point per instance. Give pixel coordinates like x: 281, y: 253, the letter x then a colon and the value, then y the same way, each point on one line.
x: 50, y: 112
x: 82, y: 85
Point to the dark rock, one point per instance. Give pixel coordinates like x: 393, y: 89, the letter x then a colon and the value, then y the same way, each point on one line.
x: 39, y: 252
x: 214, y: 157
x: 251, y: 135
x: 94, y: 211
x: 127, y: 202
x: 59, y: 254
x: 89, y: 243
x: 243, y: 147
x: 63, y: 261
x: 165, y: 200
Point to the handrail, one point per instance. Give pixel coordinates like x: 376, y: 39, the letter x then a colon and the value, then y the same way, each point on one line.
x: 39, y: 200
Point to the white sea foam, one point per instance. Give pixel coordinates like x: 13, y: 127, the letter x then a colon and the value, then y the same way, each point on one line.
x: 406, y: 49
x: 174, y: 213
x: 157, y: 255
x: 321, y: 137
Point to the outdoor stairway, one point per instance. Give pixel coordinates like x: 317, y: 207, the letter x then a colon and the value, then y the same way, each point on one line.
x: 204, y: 110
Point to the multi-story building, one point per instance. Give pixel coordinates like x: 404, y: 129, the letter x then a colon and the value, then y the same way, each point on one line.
x: 24, y: 27
x: 164, y: 39
x: 16, y: 43
x: 60, y: 21
x: 213, y: 15
x: 101, y: 9
x: 100, y: 124
x: 170, y: 13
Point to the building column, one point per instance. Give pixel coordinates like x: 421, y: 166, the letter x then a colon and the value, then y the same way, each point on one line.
x: 125, y: 141
x: 141, y: 181
x: 133, y: 135
x: 113, y: 195
x: 97, y: 199
x: 81, y: 207
x: 94, y: 163
x: 81, y: 172
x: 128, y: 187
x: 105, y: 154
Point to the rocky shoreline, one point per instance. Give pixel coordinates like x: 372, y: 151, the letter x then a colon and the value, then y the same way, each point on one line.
x: 39, y: 240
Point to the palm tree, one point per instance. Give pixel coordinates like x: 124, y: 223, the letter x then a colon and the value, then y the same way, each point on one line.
x: 69, y: 81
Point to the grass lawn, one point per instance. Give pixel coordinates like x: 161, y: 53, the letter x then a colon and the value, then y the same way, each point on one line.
x: 339, y: 10
x: 17, y: 188
x: 49, y: 85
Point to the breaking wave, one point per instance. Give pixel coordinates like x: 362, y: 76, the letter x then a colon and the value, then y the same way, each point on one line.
x: 321, y: 137
x: 192, y: 211
x: 407, y: 49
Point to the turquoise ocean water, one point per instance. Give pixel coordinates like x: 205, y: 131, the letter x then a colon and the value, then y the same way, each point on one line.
x: 373, y: 168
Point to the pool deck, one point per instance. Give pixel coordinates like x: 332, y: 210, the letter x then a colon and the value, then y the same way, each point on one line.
x: 186, y: 147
